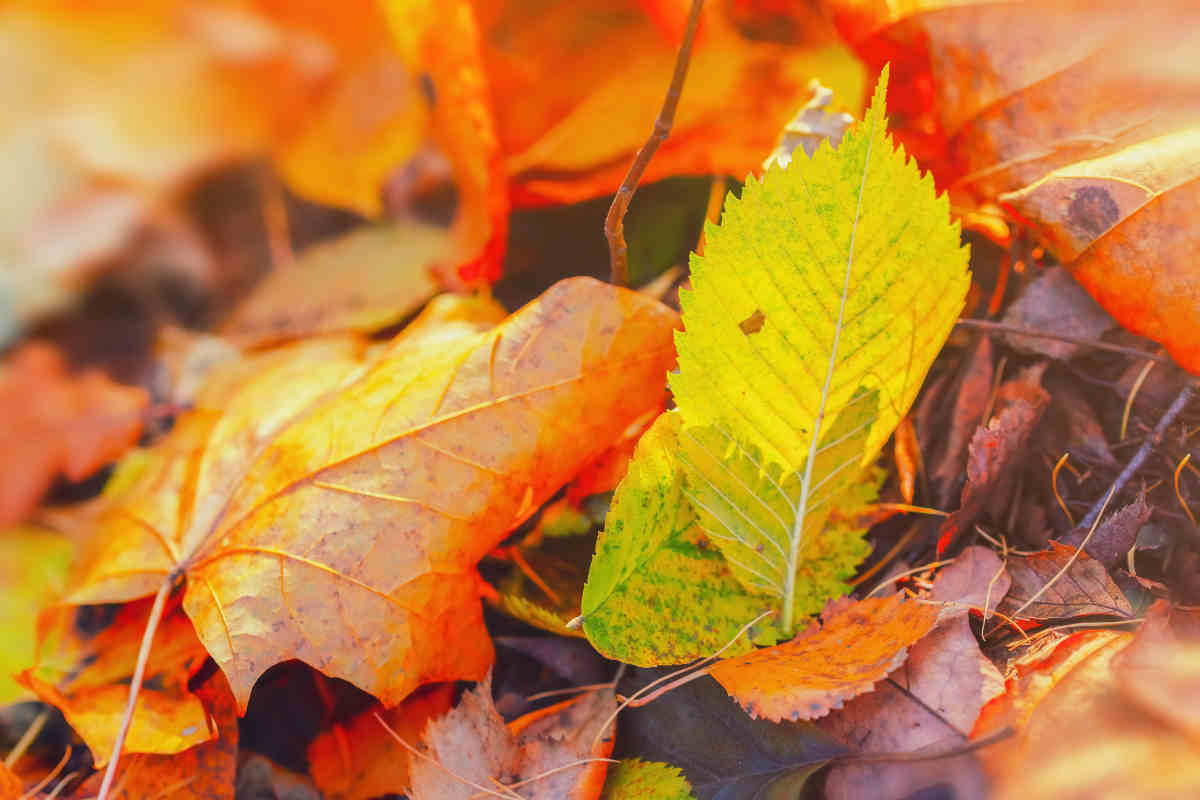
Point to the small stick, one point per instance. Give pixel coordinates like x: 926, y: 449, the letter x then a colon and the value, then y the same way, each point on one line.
x: 1000, y: 327
x: 135, y: 683
x: 614, y: 223
x: 1143, y: 452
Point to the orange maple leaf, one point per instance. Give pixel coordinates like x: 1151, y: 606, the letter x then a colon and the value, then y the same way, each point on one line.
x: 331, y: 508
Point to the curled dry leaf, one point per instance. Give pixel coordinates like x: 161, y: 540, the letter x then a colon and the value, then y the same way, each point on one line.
x: 475, y: 749
x: 855, y: 645
x: 331, y: 507
x: 995, y: 451
x: 78, y: 424
x: 1085, y: 588
x: 946, y: 681
x: 86, y: 677
x: 1079, y: 116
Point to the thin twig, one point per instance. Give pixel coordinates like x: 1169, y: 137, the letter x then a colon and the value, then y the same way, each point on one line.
x: 135, y: 684
x: 614, y: 224
x: 1015, y: 330
x: 27, y: 738
x: 1143, y: 452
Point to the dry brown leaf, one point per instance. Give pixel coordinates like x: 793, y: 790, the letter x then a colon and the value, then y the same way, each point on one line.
x: 995, y: 451
x: 475, y: 749
x: 359, y: 760
x: 945, y: 673
x: 1115, y: 536
x: 1085, y: 588
x: 855, y: 645
x: 77, y: 424
x: 87, y: 679
x: 332, y: 509
x: 970, y: 401
x: 1082, y: 117
x: 1055, y: 303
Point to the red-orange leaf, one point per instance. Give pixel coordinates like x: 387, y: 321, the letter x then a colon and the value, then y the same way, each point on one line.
x: 331, y: 507
x: 855, y: 645
x: 1079, y: 117
x: 52, y: 422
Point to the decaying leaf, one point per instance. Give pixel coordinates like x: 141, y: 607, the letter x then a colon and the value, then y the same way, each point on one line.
x: 994, y: 452
x: 946, y: 681
x: 1055, y: 303
x: 1085, y: 588
x: 331, y: 507
x: 1115, y: 536
x: 633, y: 778
x: 855, y: 645
x: 87, y: 679
x: 472, y: 748
x: 359, y: 760
x: 77, y: 424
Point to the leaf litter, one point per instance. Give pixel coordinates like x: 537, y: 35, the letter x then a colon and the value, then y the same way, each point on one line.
x: 1087, y: 683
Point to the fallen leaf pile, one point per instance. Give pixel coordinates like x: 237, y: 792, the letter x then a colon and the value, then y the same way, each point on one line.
x: 332, y: 470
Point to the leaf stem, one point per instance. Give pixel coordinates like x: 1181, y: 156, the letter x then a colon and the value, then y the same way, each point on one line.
x: 614, y: 223
x: 797, y: 537
x: 135, y: 684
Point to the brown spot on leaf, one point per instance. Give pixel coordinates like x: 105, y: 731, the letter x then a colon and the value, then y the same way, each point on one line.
x: 752, y: 323
x: 1093, y: 210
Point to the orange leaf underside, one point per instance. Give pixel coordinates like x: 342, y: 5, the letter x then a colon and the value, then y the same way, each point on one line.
x: 334, y: 510
x: 856, y: 645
